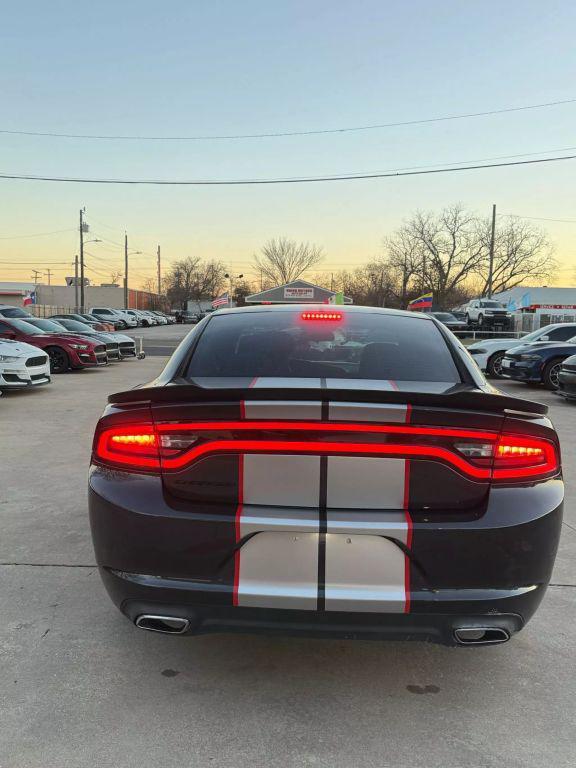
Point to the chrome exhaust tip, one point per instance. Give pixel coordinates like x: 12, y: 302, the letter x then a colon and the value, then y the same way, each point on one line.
x: 481, y: 635
x: 168, y: 625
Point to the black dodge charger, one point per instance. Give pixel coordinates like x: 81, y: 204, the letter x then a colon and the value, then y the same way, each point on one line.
x: 325, y: 470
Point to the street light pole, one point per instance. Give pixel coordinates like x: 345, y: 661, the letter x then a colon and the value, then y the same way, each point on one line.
x: 491, y: 264
x: 125, y: 270
x: 82, y: 259
x: 76, y: 283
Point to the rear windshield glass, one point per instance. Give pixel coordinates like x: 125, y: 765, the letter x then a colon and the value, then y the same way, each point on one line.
x: 359, y: 345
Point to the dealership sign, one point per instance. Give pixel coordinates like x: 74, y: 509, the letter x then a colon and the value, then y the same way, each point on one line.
x: 298, y: 293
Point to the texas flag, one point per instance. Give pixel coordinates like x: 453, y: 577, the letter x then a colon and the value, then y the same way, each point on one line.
x: 29, y: 298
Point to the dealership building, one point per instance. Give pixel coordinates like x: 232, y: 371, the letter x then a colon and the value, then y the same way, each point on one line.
x: 296, y: 292
x: 43, y: 299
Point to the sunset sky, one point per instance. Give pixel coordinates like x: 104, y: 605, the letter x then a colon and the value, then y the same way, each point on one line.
x: 213, y: 67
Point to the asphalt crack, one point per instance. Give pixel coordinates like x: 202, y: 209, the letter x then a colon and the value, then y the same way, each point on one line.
x: 52, y: 565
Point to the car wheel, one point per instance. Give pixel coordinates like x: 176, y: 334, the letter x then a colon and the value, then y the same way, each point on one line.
x: 494, y: 367
x: 480, y: 320
x: 550, y: 375
x: 59, y: 360
x: 467, y: 319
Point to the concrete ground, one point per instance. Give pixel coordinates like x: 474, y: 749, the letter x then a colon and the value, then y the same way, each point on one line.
x: 82, y: 688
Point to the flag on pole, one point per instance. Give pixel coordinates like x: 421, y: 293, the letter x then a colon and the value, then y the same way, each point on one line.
x: 29, y: 298
x: 221, y: 301
x: 422, y: 302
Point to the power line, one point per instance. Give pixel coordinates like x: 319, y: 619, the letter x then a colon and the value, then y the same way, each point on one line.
x: 536, y: 218
x: 294, y: 180
x: 280, y: 134
x: 37, y: 234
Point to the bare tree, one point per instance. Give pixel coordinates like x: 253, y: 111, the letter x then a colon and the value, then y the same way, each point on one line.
x: 371, y: 284
x: 115, y: 277
x: 521, y: 252
x: 405, y: 261
x: 193, y: 278
x: 452, y: 249
x: 282, y: 260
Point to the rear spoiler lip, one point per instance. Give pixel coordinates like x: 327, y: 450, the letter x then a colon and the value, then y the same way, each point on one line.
x: 461, y: 398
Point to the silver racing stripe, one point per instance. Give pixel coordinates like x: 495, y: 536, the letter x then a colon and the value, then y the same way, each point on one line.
x: 281, y: 480
x: 364, y: 573
x: 279, y: 570
x: 300, y: 524
x: 372, y: 412
x: 283, y: 409
x: 365, y: 483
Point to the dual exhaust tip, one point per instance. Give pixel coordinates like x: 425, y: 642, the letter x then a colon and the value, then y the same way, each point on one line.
x: 481, y: 635
x: 168, y: 625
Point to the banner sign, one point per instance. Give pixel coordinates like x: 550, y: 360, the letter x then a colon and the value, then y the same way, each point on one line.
x: 298, y: 293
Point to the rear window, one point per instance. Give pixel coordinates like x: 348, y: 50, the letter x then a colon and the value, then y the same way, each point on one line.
x: 360, y: 345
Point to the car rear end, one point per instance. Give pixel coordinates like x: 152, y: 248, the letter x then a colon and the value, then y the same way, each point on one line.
x: 325, y: 472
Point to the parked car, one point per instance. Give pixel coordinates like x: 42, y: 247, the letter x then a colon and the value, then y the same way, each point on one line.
x: 163, y: 320
x: 489, y: 353
x: 64, y: 351
x: 538, y: 363
x: 487, y: 313
x: 129, y: 317
x: 98, y: 337
x: 450, y: 321
x: 153, y: 320
x: 93, y: 322
x: 22, y: 365
x: 7, y: 310
x: 567, y: 378
x: 125, y: 345
x: 119, y: 321
x: 264, y: 482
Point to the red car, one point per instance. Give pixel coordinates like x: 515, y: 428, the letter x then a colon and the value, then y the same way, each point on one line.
x: 64, y: 351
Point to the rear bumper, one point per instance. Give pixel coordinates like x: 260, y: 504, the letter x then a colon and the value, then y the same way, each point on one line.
x: 137, y: 595
x: 491, y: 569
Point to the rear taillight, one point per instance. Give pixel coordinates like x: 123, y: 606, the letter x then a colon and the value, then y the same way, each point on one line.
x: 134, y: 447
x: 322, y: 316
x: 517, y: 457
x: 480, y: 455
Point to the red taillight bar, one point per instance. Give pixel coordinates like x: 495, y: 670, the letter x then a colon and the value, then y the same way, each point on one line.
x: 324, y: 426
x: 140, y: 447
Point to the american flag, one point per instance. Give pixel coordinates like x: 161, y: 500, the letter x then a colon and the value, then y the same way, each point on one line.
x: 220, y: 301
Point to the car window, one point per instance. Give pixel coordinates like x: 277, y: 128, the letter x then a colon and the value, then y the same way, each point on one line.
x: 561, y: 334
x: 13, y: 312
x: 359, y: 345
x: 50, y: 326
x: 23, y: 327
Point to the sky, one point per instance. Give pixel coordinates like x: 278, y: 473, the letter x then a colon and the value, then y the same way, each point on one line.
x: 214, y: 67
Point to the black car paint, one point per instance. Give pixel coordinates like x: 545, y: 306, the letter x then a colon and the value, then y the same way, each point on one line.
x: 164, y: 547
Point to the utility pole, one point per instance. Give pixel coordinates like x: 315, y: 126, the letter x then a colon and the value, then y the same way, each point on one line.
x: 48, y: 274
x: 125, y: 271
x: 491, y: 264
x: 82, y: 259
x: 76, y: 283
x: 159, y: 274
x: 35, y: 277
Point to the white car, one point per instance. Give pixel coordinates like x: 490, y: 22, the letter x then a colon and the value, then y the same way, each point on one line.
x: 22, y: 365
x: 129, y: 317
x: 488, y: 353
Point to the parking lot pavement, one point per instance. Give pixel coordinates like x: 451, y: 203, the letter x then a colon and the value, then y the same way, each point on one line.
x: 82, y: 688
x: 160, y: 340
